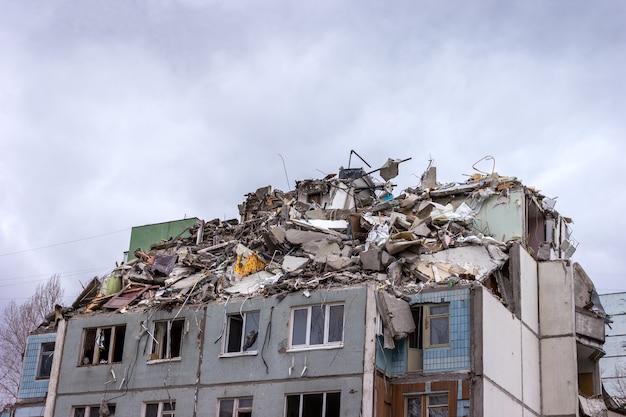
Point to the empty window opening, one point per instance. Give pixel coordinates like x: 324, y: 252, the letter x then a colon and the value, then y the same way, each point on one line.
x: 103, y: 345
x: 168, y: 338
x: 323, y: 404
x: 242, y: 332
x: 46, y: 354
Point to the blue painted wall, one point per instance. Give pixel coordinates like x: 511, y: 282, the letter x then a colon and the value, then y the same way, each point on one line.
x: 30, y: 386
x: 455, y: 357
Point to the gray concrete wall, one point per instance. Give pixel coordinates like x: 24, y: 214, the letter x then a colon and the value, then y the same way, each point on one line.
x: 558, y: 340
x: 218, y: 376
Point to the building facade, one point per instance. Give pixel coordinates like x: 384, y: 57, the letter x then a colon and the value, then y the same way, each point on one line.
x: 340, y: 300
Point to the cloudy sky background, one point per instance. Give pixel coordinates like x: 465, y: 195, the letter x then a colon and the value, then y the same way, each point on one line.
x: 123, y: 113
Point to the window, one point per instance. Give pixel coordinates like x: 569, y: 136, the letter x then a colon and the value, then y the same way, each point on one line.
x: 317, y: 325
x: 92, y: 411
x: 236, y: 407
x: 432, y: 405
x: 242, y: 332
x: 103, y: 345
x: 45, y: 360
x: 168, y: 339
x: 437, y: 325
x: 323, y: 404
x: 160, y: 409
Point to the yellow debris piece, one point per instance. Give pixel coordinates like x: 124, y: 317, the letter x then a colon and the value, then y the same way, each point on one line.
x: 249, y: 265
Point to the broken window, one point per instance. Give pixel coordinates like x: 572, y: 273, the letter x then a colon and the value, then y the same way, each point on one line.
x: 103, y: 345
x: 45, y: 360
x: 415, y: 355
x: 317, y: 325
x: 242, y: 332
x: 323, y: 404
x: 436, y: 325
x: 91, y: 410
x: 167, y: 339
x: 430, y: 405
x: 160, y: 409
x: 236, y: 407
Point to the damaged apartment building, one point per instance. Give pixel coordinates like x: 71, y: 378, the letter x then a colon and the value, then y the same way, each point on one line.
x: 336, y: 299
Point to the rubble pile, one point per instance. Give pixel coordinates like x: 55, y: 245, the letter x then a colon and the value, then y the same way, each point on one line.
x: 334, y: 231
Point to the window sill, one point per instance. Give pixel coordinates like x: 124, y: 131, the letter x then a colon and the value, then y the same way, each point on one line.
x: 88, y: 365
x: 313, y: 347
x: 238, y: 354
x: 155, y: 361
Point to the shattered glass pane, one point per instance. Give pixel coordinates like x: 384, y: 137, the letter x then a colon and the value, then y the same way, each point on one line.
x: 414, y: 407
x: 440, y: 399
x: 251, y: 331
x: 438, y: 412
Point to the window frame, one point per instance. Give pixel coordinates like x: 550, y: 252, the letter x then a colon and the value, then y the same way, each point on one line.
x: 236, y: 406
x: 88, y: 409
x: 160, y: 408
x: 301, y: 396
x: 428, y: 316
x: 45, y: 356
x: 245, y: 317
x: 425, y: 402
x: 115, y: 343
x: 326, y: 313
x: 165, y: 356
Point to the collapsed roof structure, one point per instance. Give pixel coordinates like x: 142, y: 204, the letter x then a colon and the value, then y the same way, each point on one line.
x: 344, y: 229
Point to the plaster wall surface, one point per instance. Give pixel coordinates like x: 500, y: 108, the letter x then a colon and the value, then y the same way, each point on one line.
x: 268, y: 398
x: 131, y: 402
x: 503, y: 221
x: 529, y: 288
x: 498, y: 403
x: 556, y: 299
x: 273, y: 348
x: 531, y: 370
x: 502, y: 346
x: 135, y: 367
x: 559, y: 376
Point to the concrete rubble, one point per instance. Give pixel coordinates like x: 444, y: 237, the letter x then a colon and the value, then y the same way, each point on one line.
x: 335, y: 231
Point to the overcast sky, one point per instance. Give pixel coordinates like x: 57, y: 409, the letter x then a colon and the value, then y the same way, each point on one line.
x: 121, y: 113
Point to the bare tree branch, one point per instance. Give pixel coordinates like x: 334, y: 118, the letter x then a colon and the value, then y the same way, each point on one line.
x: 18, y: 320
